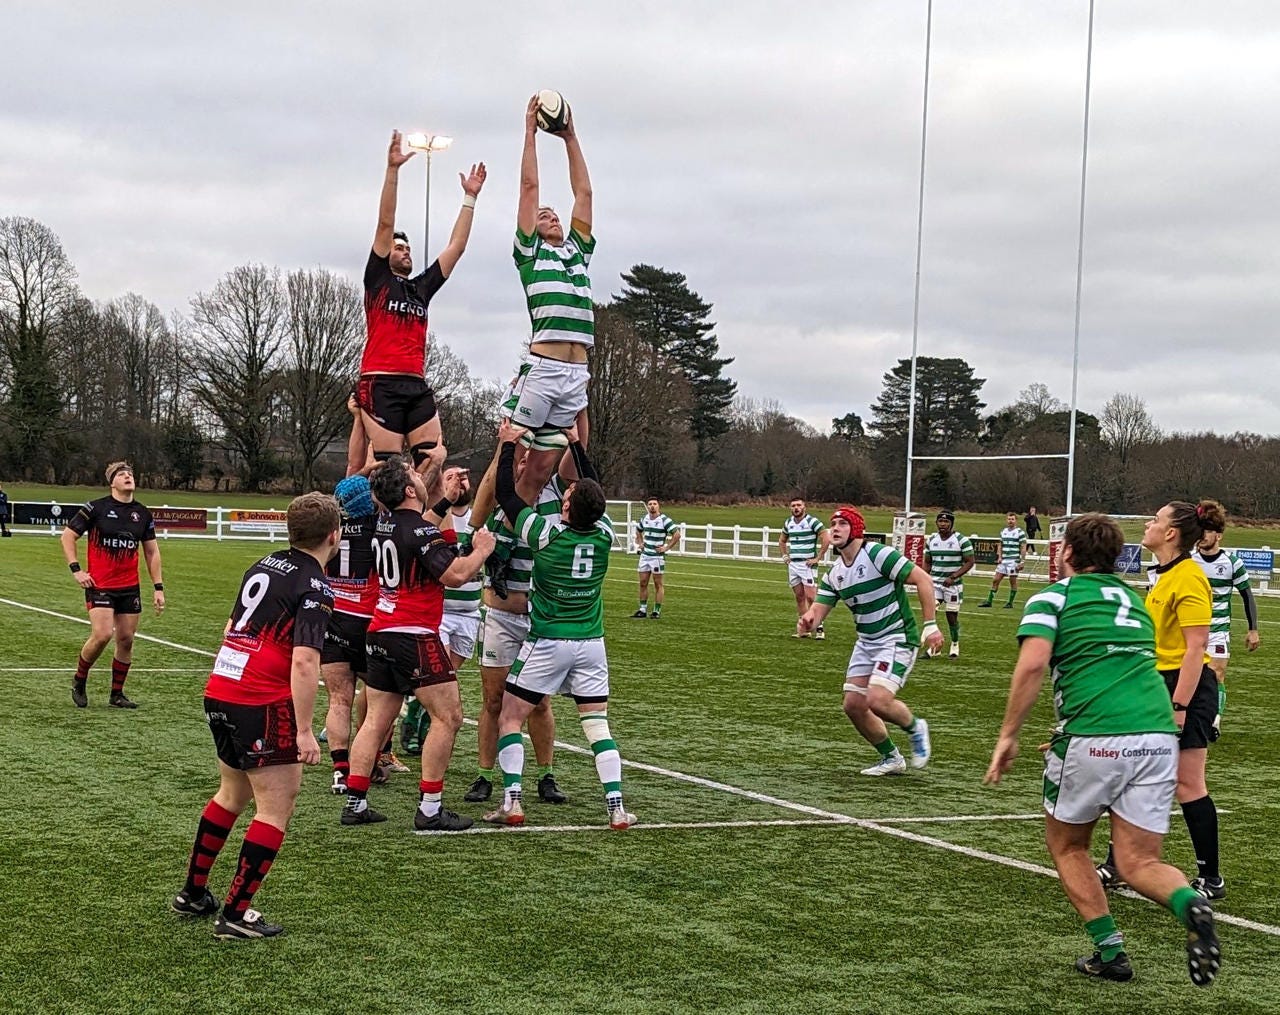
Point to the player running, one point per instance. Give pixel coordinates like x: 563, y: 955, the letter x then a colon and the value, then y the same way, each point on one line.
x: 259, y: 703
x: 354, y: 581
x: 1225, y: 571
x: 116, y: 525
x: 803, y: 542
x: 1011, y: 555
x: 871, y: 580
x: 655, y: 534
x: 397, y: 405
x: 1114, y: 749
x: 949, y: 557
x: 565, y: 651
x: 415, y: 563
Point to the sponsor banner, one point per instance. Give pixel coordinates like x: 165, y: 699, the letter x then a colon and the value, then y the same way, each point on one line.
x: 1260, y: 562
x: 875, y: 537
x: 56, y: 515
x: 1130, y: 559
x: 986, y: 549
x: 257, y: 521
x: 180, y: 518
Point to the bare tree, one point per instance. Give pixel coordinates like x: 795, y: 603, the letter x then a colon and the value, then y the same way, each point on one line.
x: 1126, y: 424
x: 239, y: 330
x: 37, y: 286
x: 1034, y: 401
x: 324, y: 333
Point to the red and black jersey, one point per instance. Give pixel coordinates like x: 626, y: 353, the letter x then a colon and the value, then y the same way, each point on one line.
x: 352, y: 575
x: 411, y: 555
x: 395, y: 311
x: 285, y: 602
x: 116, y: 529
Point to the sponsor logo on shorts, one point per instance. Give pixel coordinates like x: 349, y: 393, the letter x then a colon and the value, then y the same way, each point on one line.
x: 1111, y: 754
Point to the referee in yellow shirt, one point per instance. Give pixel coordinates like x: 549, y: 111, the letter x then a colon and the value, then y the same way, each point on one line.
x: 1181, y: 605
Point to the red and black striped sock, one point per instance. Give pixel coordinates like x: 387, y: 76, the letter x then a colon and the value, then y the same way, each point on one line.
x: 261, y: 844
x: 119, y: 671
x: 341, y: 761
x: 82, y: 670
x: 215, y: 825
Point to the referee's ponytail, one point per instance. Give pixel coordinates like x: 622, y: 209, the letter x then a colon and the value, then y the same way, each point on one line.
x: 1189, y: 520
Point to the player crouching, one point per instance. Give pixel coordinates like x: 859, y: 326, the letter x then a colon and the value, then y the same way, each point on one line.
x: 259, y: 703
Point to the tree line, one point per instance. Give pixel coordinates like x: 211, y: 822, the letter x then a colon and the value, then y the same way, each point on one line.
x: 248, y: 391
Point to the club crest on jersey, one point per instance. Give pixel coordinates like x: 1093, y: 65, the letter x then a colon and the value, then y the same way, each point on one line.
x: 134, y: 516
x: 318, y: 584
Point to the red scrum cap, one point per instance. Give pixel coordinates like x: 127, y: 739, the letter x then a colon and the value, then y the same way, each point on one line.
x: 857, y: 526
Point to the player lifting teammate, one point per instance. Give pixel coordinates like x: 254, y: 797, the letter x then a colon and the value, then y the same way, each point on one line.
x: 116, y: 525
x: 949, y: 557
x: 415, y: 561
x: 259, y: 703
x: 1114, y: 749
x: 871, y: 580
x: 565, y: 652
x: 803, y: 542
x: 1225, y: 572
x: 1012, y: 554
x: 397, y: 405
x: 549, y: 393
x: 655, y: 535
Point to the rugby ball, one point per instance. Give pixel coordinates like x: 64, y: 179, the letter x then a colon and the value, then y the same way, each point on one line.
x: 553, y: 111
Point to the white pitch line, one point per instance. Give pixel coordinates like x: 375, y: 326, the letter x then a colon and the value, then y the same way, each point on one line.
x: 83, y: 620
x: 132, y: 670
x: 944, y: 819
x: 832, y: 817
x: 667, y: 584
x: 639, y: 826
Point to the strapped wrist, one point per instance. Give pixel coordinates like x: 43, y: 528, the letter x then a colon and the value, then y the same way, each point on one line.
x: 468, y: 200
x: 74, y: 567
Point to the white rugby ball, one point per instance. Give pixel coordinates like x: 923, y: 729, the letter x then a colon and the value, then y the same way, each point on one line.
x: 553, y: 111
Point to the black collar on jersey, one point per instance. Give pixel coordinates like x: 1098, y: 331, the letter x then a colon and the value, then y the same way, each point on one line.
x: 1210, y: 558
x: 1162, y: 568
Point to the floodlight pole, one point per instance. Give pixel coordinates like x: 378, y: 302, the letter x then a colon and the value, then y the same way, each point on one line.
x: 915, y: 308
x: 426, y: 217
x: 1075, y: 356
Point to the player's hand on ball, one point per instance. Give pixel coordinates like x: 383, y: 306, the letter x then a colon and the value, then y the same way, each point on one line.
x: 396, y: 155
x: 531, y: 115
x: 473, y: 182
x: 1002, y: 760
x: 308, y: 748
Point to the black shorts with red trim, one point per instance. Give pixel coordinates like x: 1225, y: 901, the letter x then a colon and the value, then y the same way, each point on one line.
x: 400, y: 663
x: 344, y: 641
x: 397, y: 402
x: 253, y: 736
x: 117, y: 600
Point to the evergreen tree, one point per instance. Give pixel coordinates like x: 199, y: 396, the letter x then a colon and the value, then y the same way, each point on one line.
x: 673, y: 320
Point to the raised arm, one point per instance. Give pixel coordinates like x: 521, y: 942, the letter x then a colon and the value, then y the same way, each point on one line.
x: 579, y: 180
x: 505, y: 479
x: 527, y: 211
x: 384, y: 236
x: 471, y: 186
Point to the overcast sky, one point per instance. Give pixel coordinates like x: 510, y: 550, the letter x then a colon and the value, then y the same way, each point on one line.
x: 768, y: 151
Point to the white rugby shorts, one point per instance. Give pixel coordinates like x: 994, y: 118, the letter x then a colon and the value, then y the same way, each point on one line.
x: 887, y: 665
x: 800, y: 573
x: 547, y: 392
x: 459, y: 632
x: 1133, y: 775
x: 951, y: 596
x: 653, y: 565
x: 555, y: 666
x: 1008, y: 567
x: 501, y: 635
x: 1219, y: 646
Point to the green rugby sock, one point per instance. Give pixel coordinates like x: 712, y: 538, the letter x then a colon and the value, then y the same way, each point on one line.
x: 544, y: 770
x: 487, y: 773
x: 1180, y: 903
x: 1106, y: 936
x: 885, y: 748
x: 1012, y: 594
x: 991, y: 597
x: 1222, y: 698
x: 953, y: 625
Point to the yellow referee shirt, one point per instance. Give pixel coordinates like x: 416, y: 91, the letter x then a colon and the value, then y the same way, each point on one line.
x: 1179, y: 598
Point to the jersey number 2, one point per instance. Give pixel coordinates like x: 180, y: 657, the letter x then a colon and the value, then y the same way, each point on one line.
x: 1122, y: 613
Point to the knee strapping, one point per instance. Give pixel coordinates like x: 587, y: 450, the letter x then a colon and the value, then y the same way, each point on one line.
x: 422, y: 451
x: 595, y: 726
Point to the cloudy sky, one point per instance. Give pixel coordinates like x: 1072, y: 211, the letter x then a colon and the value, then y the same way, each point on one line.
x: 769, y: 152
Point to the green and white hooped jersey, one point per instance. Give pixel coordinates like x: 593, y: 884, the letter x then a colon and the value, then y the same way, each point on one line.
x: 1225, y: 572
x: 1011, y: 543
x: 557, y: 287
x: 568, y: 576
x: 1105, y: 680
x: 802, y: 538
x: 653, y: 532
x: 946, y: 556
x: 465, y: 598
x: 874, y: 589
x: 520, y: 576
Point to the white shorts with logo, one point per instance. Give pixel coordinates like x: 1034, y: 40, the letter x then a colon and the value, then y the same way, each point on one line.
x: 1219, y: 646
x: 547, y: 392
x: 950, y: 596
x: 553, y: 666
x: 501, y: 636
x: 1133, y: 775
x: 800, y: 573
x: 654, y: 565
x: 1008, y: 567
x: 887, y: 665
x: 459, y: 632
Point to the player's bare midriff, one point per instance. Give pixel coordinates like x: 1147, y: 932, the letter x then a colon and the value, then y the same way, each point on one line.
x: 565, y: 352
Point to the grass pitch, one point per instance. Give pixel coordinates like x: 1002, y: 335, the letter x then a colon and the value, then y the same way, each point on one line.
x: 746, y: 888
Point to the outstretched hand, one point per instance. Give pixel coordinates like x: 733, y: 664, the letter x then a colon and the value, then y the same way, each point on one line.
x: 474, y: 181
x: 508, y: 432
x: 396, y: 155
x: 1002, y: 760
x: 531, y: 116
